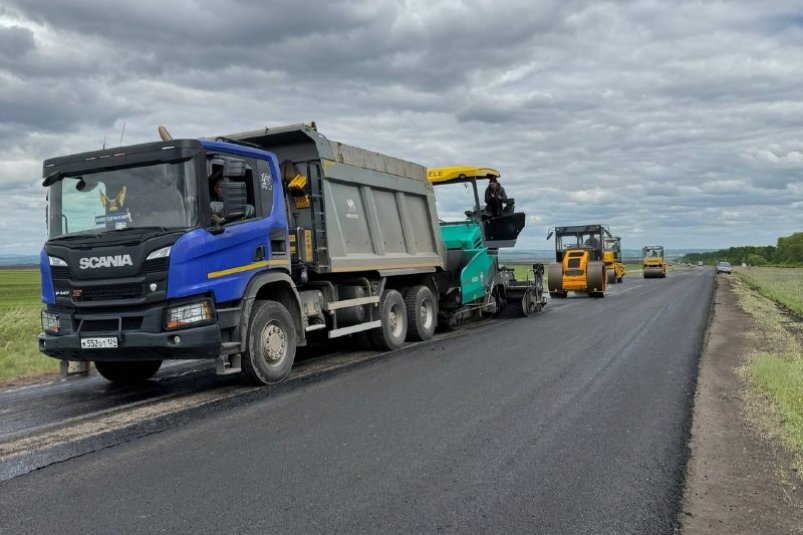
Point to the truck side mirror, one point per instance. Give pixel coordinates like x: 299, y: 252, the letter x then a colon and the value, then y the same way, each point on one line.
x: 549, y: 235
x: 235, y: 200
x: 233, y: 168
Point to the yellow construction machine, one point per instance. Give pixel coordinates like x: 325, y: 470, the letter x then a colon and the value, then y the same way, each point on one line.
x: 613, y: 259
x: 579, y: 265
x: 652, y: 262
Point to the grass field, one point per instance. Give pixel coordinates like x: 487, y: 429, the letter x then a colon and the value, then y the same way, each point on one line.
x: 20, y: 325
x: 784, y: 285
x: 776, y: 373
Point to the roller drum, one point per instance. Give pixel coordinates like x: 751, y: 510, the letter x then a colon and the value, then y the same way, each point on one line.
x: 555, y: 278
x: 595, y: 277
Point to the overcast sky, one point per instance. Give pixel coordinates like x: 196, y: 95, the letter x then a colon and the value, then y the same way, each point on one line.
x: 679, y: 123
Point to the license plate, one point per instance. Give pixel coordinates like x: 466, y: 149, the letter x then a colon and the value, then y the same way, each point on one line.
x: 99, y: 342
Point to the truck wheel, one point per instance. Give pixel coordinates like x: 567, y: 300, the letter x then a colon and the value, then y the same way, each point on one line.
x: 271, y: 344
x: 393, y: 315
x: 128, y: 373
x: 422, y: 313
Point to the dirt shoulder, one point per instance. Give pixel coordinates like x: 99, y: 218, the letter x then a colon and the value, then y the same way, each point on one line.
x: 738, y: 479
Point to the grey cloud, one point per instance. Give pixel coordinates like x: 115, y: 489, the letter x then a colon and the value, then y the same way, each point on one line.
x: 339, y: 40
x: 15, y: 41
x: 57, y: 107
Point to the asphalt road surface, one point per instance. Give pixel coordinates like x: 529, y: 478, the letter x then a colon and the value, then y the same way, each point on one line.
x: 573, y: 421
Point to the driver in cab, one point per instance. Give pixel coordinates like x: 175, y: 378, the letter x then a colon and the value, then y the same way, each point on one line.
x: 216, y: 203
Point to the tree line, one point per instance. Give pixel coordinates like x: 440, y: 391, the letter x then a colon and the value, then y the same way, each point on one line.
x: 789, y: 252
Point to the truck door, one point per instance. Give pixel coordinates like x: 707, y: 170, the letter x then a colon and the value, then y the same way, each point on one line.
x: 238, y: 249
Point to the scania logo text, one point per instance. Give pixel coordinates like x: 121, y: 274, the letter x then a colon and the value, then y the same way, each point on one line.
x: 94, y: 262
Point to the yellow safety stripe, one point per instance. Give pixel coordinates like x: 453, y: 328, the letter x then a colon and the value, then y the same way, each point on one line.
x: 247, y: 267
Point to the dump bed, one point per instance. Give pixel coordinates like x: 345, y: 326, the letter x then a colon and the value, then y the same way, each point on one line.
x: 364, y: 211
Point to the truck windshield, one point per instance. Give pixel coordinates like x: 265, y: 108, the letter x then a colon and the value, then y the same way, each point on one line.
x: 151, y: 195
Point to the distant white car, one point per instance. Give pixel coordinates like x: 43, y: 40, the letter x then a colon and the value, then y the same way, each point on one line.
x: 724, y: 267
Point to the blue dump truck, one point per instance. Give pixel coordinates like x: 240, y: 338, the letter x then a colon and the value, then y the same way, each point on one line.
x: 243, y: 247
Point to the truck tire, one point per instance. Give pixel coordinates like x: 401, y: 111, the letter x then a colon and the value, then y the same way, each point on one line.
x: 422, y: 313
x: 271, y: 344
x: 612, y: 276
x: 393, y: 314
x: 128, y: 373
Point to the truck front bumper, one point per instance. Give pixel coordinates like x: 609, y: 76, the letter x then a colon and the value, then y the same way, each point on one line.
x: 191, y: 343
x: 138, y: 333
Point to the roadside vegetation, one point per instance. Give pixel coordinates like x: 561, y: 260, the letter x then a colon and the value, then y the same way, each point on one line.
x: 782, y: 285
x: 776, y: 373
x: 789, y: 252
x: 20, y: 326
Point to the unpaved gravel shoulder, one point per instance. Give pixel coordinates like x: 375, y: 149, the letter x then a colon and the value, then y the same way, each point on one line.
x: 738, y: 480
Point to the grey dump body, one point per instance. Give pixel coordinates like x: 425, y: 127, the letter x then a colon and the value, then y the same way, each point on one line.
x: 365, y: 211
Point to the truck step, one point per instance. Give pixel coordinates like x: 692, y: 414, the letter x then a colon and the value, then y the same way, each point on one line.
x: 355, y: 329
x: 228, y: 364
x: 347, y: 303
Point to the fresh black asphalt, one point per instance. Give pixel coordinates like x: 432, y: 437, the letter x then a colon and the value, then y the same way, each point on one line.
x: 573, y: 421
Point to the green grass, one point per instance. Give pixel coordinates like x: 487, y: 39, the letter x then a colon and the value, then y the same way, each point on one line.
x: 20, y: 325
x: 784, y: 285
x: 523, y: 272
x: 19, y: 287
x: 776, y: 373
x: 781, y: 380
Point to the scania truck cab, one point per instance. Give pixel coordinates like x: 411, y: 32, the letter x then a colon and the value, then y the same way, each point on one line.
x: 135, y: 271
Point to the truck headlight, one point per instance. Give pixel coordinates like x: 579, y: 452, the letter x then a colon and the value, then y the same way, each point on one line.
x: 185, y: 315
x: 164, y: 252
x: 55, y: 261
x: 50, y: 322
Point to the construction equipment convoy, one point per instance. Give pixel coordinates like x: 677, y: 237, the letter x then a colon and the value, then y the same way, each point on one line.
x: 579, y: 261
x: 144, y: 262
x: 612, y: 256
x: 652, y: 262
